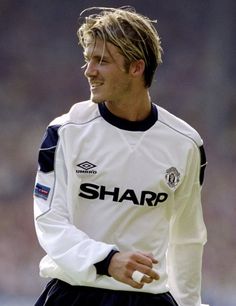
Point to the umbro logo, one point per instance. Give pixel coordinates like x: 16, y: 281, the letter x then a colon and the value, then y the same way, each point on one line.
x: 86, y: 167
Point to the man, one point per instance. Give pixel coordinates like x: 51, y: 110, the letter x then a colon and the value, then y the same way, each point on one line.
x: 117, y: 193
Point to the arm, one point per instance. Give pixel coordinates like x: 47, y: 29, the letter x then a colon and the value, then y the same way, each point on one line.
x: 70, y: 248
x: 188, y: 235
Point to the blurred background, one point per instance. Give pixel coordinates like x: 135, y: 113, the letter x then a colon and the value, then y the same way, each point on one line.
x: 40, y: 78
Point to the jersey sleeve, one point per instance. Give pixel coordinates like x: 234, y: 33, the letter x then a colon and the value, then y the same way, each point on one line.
x: 188, y: 234
x: 69, y: 250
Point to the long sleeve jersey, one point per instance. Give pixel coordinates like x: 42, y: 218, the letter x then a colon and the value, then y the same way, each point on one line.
x: 105, y: 183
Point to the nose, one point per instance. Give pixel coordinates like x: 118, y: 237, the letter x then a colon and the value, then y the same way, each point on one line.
x: 91, y: 69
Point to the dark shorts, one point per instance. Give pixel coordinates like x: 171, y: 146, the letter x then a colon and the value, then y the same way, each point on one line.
x: 59, y: 293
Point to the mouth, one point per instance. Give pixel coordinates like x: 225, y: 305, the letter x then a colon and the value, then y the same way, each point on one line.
x: 95, y: 85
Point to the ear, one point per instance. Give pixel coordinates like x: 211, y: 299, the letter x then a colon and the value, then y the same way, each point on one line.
x: 136, y: 68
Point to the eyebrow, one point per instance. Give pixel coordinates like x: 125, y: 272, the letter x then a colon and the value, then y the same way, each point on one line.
x: 97, y: 57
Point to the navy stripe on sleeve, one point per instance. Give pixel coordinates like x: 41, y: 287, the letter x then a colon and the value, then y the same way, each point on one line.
x: 48, y: 148
x: 203, y: 164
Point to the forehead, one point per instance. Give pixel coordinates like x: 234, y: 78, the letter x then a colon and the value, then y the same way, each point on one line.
x: 99, y: 47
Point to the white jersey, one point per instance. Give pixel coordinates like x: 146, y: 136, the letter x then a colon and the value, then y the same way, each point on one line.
x: 105, y: 184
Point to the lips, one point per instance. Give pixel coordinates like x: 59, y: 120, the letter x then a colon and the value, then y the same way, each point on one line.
x: 95, y: 85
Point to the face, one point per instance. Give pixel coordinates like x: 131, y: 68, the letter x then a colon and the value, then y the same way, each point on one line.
x: 107, y: 77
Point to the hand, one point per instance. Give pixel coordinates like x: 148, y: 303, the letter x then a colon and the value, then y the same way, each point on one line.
x: 123, y: 264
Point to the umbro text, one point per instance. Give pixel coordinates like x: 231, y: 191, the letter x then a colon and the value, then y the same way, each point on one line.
x: 86, y: 171
x: 93, y: 191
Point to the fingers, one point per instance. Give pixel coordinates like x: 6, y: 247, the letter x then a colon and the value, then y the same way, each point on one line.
x: 152, y: 273
x: 135, y: 284
x: 149, y: 272
x: 146, y: 279
x: 145, y: 265
x: 139, y: 282
x: 149, y: 255
x: 144, y: 275
x: 146, y: 259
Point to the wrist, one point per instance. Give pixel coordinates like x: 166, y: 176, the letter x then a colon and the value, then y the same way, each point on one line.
x: 102, y: 267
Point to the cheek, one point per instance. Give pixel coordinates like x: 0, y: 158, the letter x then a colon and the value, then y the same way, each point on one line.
x: 120, y: 81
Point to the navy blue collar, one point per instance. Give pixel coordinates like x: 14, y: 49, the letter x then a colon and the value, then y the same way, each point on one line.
x: 124, y: 124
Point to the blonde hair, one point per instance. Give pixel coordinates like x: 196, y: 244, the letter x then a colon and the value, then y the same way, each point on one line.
x: 133, y: 33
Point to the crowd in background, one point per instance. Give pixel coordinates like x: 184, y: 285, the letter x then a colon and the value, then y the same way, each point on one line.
x: 41, y: 78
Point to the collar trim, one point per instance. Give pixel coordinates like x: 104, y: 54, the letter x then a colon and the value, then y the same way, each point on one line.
x: 124, y: 124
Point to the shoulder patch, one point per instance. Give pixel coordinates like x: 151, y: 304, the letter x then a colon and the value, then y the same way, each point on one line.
x: 41, y: 191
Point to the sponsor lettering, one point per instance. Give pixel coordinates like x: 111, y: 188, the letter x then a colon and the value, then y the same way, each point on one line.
x: 92, y: 191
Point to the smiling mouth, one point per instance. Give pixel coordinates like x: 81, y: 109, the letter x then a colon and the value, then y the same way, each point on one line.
x: 95, y: 85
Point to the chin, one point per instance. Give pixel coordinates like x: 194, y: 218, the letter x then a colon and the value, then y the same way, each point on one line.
x: 96, y: 99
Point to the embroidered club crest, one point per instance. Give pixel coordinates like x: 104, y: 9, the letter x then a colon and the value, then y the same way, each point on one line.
x: 172, y: 177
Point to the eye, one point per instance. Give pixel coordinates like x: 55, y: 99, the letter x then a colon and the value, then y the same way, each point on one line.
x: 103, y: 61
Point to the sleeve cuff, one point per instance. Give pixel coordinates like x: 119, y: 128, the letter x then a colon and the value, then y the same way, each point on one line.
x: 102, y: 266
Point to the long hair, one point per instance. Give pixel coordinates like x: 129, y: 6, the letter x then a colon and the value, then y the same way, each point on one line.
x: 133, y: 33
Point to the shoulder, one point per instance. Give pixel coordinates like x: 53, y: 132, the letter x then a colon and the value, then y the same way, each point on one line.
x: 79, y: 113
x: 178, y: 126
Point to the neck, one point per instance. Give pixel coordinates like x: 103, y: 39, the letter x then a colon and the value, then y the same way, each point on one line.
x: 135, y: 109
